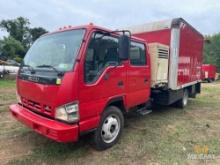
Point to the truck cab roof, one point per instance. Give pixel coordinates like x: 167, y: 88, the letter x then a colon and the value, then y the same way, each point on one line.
x: 161, y: 25
x: 91, y: 26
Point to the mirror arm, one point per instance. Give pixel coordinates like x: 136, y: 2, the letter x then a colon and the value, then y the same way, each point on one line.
x: 122, y: 31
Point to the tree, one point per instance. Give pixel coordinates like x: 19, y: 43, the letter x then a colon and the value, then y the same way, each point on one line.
x: 18, y: 29
x: 21, y: 36
x: 212, y: 50
x: 36, y: 33
x: 11, y: 48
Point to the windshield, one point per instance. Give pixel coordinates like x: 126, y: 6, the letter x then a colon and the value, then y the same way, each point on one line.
x: 57, y: 50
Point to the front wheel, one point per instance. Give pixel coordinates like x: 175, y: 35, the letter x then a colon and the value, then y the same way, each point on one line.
x: 183, y: 102
x: 110, y: 128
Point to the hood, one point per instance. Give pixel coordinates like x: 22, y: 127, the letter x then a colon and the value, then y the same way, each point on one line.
x: 44, y: 98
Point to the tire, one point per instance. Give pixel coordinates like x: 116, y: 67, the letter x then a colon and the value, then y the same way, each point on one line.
x: 110, y: 128
x: 209, y: 80
x: 183, y: 102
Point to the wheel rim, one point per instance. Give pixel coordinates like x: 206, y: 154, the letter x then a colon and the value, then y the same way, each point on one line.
x: 185, y: 98
x: 110, y: 128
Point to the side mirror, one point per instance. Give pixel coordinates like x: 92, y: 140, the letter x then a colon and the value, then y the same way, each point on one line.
x: 124, y: 47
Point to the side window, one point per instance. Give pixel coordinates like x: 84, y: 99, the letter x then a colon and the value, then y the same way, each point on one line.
x: 137, y: 54
x: 101, y: 53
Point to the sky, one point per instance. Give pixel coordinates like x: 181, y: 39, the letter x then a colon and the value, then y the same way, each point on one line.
x: 204, y: 15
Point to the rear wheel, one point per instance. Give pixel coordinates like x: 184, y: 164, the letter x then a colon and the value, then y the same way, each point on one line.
x: 110, y: 128
x: 183, y: 102
x: 209, y: 80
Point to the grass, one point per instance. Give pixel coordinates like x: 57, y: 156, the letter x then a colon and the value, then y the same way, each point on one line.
x: 7, y: 83
x: 163, y: 137
x: 7, y: 93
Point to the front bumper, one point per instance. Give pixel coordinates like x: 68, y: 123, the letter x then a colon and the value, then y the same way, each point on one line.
x: 52, y: 129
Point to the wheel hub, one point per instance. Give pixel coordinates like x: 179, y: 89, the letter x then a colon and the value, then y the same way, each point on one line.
x: 185, y: 98
x: 110, y: 129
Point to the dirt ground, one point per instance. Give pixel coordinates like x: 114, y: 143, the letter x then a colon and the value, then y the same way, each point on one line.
x: 167, y: 136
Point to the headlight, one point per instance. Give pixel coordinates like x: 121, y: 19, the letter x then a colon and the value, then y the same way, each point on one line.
x: 68, y: 112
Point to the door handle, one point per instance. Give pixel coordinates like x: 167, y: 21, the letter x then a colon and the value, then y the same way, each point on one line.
x: 120, y: 84
x: 145, y: 79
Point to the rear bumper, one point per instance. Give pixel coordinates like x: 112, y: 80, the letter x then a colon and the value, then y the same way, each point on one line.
x: 52, y: 129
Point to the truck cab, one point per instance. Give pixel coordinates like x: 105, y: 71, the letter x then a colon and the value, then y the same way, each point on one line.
x: 82, y: 79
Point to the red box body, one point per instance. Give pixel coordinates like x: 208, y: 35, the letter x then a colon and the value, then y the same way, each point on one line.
x: 209, y: 71
x: 189, y: 48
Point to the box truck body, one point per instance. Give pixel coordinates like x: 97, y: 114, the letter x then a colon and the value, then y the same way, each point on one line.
x: 185, y: 46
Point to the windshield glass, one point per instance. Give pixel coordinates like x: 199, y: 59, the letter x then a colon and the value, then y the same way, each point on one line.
x: 57, y: 50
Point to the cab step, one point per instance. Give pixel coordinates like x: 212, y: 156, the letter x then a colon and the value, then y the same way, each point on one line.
x: 144, y: 111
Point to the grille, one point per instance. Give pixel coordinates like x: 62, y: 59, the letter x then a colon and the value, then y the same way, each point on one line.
x: 37, y: 107
x: 163, y: 53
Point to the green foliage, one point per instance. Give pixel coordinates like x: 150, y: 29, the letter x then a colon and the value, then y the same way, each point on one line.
x: 212, y: 50
x: 20, y: 38
x: 18, y: 59
x: 36, y: 32
x: 17, y: 28
x: 10, y: 47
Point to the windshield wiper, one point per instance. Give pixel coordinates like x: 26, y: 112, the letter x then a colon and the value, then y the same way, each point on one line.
x: 30, y: 68
x: 59, y: 73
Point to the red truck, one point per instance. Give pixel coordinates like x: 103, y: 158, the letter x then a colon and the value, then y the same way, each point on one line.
x: 84, y: 79
x: 209, y: 72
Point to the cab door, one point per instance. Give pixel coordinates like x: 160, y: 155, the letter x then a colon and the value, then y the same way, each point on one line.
x: 138, y: 75
x: 102, y: 75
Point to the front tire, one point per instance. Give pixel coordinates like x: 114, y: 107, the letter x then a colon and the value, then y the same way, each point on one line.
x: 110, y: 128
